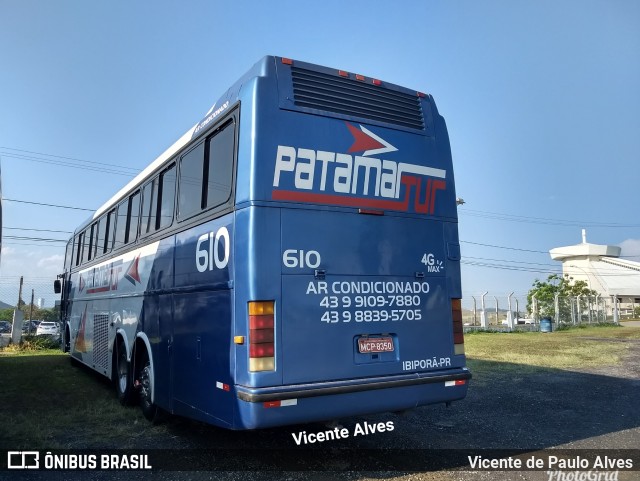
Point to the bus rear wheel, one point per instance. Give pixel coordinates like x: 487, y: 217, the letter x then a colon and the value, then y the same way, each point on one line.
x: 150, y: 411
x: 122, y: 375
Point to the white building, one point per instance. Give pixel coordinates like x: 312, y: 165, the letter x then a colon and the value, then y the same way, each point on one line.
x: 602, y: 269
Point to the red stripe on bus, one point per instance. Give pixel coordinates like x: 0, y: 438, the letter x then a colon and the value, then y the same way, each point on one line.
x: 296, y: 196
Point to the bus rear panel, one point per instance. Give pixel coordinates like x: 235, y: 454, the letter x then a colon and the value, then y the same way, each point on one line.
x: 351, y: 228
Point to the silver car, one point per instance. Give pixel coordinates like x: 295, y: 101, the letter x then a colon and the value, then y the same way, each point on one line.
x: 48, y: 328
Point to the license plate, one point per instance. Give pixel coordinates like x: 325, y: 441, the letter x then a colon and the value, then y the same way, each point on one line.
x: 375, y: 344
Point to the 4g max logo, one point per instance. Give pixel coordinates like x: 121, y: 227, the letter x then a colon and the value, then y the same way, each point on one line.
x: 433, y: 264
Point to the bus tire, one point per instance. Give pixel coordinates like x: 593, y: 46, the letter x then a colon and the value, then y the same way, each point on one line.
x: 150, y: 410
x: 122, y: 374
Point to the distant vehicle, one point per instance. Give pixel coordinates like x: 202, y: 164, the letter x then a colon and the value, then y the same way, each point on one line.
x: 5, y: 326
x: 34, y: 326
x: 520, y: 320
x: 48, y: 328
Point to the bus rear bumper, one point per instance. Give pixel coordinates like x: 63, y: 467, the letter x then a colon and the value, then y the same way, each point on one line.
x: 291, y: 404
x: 298, y: 391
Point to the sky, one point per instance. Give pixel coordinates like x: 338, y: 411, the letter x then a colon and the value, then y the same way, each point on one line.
x: 541, y: 100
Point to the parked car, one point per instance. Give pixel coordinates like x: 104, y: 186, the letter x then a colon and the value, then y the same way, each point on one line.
x: 34, y: 326
x: 5, y: 327
x: 48, y: 328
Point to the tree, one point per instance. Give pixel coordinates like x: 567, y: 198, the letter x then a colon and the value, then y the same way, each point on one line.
x: 546, y: 291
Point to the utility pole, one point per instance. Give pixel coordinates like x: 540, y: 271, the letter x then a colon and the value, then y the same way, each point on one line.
x: 31, y: 311
x: 16, y: 327
x: 20, y: 292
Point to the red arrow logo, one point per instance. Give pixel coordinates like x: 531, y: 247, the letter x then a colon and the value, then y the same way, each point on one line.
x: 132, y: 274
x: 367, y: 142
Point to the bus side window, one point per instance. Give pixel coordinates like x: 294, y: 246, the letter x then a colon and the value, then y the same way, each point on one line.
x: 100, y: 238
x: 167, y: 197
x: 68, y: 262
x: 121, y: 224
x: 149, y: 207
x: 85, y: 247
x: 79, y: 248
x: 110, y: 231
x: 134, y: 216
x: 93, y: 231
x: 190, y: 185
x: 219, y: 166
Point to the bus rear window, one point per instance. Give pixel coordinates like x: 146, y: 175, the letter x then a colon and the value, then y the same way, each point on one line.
x: 219, y: 166
x: 206, y: 173
x: 190, y: 182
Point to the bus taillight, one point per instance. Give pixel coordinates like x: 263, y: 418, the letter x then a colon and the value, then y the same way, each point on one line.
x: 458, y: 333
x: 261, y: 336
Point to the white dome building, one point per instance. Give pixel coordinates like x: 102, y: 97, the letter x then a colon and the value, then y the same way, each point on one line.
x: 603, y: 270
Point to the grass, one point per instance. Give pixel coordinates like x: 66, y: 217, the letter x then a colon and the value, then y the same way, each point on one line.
x: 32, y: 345
x: 46, y: 403
x: 573, y: 348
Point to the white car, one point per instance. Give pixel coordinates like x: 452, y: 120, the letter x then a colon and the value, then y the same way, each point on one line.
x: 48, y: 328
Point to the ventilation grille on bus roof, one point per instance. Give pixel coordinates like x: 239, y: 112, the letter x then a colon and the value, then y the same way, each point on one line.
x: 350, y: 97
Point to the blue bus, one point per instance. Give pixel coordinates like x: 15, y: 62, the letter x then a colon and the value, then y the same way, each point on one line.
x: 294, y: 257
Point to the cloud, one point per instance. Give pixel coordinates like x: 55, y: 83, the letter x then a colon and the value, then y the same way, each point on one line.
x: 51, y: 261
x: 30, y: 263
x: 630, y: 249
x: 8, y: 251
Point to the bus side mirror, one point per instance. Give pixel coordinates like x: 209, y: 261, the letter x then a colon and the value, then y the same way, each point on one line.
x: 57, y: 286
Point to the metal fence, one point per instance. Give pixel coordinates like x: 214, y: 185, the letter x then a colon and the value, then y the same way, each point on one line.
x: 582, y: 309
x: 507, y: 313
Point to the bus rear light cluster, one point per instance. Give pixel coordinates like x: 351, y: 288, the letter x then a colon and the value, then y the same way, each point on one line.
x: 261, y: 336
x: 458, y: 333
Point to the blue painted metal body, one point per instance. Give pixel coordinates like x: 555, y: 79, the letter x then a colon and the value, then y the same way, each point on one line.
x: 306, y: 182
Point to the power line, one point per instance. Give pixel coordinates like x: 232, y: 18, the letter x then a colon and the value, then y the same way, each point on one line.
x: 509, y: 260
x: 116, y: 168
x: 38, y: 230
x: 504, y: 247
x: 542, y: 220
x: 67, y: 164
x: 38, y: 239
x: 509, y: 268
x: 48, y: 205
x: 527, y: 250
x: 21, y: 244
